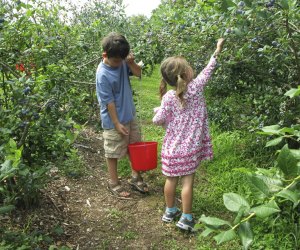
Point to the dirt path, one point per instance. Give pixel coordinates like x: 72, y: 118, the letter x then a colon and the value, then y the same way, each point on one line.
x: 98, y: 220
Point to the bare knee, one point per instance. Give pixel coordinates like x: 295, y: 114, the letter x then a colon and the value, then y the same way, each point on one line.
x: 188, y: 181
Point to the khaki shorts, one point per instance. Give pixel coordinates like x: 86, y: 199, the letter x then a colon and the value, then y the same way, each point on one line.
x: 116, y: 145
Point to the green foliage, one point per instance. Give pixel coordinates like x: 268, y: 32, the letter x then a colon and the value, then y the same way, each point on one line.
x: 260, y: 59
x: 276, y: 191
x: 73, y: 165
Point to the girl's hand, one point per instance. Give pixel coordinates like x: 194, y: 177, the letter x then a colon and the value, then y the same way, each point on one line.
x: 220, y: 44
x: 155, y: 110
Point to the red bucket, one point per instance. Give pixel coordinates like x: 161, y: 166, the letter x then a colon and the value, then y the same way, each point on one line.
x: 143, y: 155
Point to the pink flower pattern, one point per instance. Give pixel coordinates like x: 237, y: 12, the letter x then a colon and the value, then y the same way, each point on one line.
x: 187, y: 141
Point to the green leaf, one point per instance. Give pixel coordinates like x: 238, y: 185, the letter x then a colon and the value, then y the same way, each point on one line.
x: 273, y: 184
x: 274, y: 142
x: 287, y: 130
x: 284, y: 4
x: 273, y: 128
x: 259, y: 184
x: 240, y: 214
x: 213, y: 221
x: 6, y: 209
x: 245, y: 234
x: 270, y: 130
x: 44, y: 50
x: 12, y: 144
x: 295, y: 153
x: 207, y: 232
x: 5, y: 131
x: 226, y: 4
x: 287, y: 162
x: 293, y: 92
x: 290, y: 195
x: 225, y: 236
x: 6, y: 170
x: 233, y: 202
x: 262, y: 14
x: 266, y: 210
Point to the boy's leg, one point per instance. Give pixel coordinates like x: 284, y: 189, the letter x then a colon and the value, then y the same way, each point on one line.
x: 112, y: 164
x: 115, y: 147
x: 137, y: 182
x: 170, y: 191
x: 135, y: 136
x: 187, y: 193
x: 114, y: 185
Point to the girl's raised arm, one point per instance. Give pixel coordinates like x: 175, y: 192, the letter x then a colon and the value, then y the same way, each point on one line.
x: 206, y: 73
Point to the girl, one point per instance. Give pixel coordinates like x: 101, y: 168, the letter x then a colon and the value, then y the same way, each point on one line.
x: 187, y: 141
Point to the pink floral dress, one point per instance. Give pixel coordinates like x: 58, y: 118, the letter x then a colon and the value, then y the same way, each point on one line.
x: 187, y: 141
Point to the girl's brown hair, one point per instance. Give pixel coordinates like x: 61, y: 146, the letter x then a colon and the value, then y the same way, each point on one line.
x: 176, y: 72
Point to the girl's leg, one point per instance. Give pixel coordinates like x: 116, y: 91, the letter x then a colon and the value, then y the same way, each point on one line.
x: 187, y: 193
x: 186, y: 221
x: 170, y: 191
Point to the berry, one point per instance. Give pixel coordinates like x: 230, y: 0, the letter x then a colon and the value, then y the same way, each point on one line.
x: 241, y: 4
x: 27, y: 90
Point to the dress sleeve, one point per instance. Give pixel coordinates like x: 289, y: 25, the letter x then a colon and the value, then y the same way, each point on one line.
x: 199, y: 82
x: 163, y: 113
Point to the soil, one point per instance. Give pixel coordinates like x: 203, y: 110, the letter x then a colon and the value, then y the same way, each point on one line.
x: 83, y: 215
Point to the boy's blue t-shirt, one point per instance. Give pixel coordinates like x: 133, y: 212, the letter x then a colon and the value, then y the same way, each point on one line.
x: 113, y: 85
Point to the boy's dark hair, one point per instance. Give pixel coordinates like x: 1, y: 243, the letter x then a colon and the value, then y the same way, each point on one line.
x: 115, y: 45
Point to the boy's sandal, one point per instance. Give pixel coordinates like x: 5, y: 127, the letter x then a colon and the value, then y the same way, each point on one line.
x: 118, y: 190
x: 139, y: 184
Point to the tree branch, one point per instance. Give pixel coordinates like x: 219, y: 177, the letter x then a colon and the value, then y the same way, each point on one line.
x: 10, y: 70
x: 94, y: 60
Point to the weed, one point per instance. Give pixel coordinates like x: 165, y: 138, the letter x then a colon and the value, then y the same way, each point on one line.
x: 129, y: 235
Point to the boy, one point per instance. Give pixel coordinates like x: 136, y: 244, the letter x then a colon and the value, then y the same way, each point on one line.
x: 117, y: 108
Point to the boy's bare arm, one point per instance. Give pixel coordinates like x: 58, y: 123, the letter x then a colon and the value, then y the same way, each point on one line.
x: 114, y: 117
x: 134, y: 67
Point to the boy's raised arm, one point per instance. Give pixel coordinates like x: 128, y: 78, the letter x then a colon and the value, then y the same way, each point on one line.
x: 134, y: 67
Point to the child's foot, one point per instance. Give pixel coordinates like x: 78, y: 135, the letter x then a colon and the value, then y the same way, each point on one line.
x: 118, y: 190
x: 186, y: 224
x: 170, y: 216
x: 138, y: 184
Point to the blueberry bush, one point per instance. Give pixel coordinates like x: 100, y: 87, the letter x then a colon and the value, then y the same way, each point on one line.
x: 260, y: 60
x: 47, y: 67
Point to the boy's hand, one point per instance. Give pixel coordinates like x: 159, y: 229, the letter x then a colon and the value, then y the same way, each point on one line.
x: 130, y: 58
x: 121, y: 129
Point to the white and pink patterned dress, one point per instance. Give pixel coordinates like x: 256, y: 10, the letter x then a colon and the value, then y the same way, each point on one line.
x: 187, y: 141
